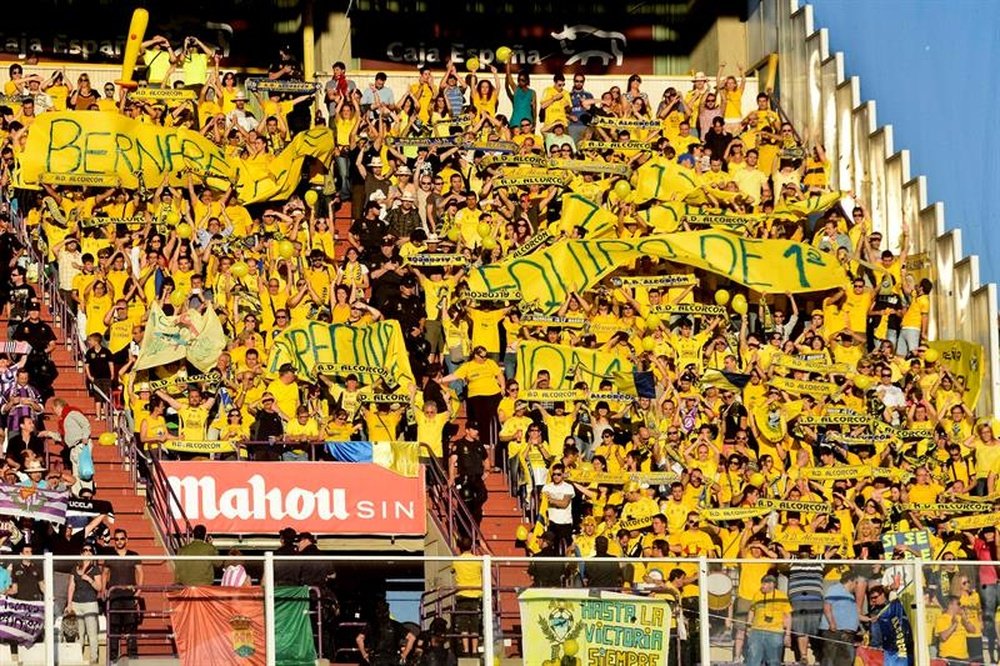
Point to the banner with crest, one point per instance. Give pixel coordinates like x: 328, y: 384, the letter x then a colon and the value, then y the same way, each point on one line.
x: 588, y: 627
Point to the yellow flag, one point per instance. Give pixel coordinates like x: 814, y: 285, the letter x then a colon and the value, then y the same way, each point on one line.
x: 401, y: 457
x: 965, y: 359
x: 547, y: 275
x: 663, y: 180
x: 579, y: 211
x: 86, y: 148
x: 376, y: 350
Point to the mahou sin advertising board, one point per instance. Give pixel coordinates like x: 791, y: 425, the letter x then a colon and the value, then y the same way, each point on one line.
x: 317, y: 497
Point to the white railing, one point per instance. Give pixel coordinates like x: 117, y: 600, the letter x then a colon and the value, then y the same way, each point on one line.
x: 506, y: 647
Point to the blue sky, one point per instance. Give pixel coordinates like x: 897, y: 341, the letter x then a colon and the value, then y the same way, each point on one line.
x: 933, y: 67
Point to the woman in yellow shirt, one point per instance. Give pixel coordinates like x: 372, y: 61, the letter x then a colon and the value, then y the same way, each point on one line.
x: 353, y: 274
x: 340, y: 306
x: 486, y: 383
x: 987, y: 449
x: 486, y: 95
x: 229, y: 92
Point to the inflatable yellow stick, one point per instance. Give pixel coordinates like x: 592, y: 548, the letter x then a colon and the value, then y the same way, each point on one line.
x: 136, y: 31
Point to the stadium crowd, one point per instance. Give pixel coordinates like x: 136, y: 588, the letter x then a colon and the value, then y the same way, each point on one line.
x: 832, y: 406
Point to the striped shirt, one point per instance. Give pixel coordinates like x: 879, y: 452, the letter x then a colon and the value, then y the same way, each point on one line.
x: 805, y: 578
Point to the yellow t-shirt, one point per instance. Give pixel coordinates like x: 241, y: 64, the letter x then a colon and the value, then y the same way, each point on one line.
x: 157, y: 64
x: 955, y: 647
x: 484, y: 328
x: 920, y: 306
x: 195, y: 69
x: 194, y: 420
x: 97, y: 307
x: 434, y: 291
x: 556, y: 110
x: 429, y: 431
x: 750, y: 575
x: 468, y: 574
x: 382, y: 426
x: 769, y: 610
x: 481, y: 377
x: 286, y: 396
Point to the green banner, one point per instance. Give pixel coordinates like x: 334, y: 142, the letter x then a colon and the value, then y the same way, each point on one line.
x: 293, y: 632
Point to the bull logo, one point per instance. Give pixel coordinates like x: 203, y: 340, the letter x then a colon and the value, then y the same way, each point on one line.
x: 597, y: 44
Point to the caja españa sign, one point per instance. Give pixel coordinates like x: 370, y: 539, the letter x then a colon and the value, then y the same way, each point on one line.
x: 317, y: 497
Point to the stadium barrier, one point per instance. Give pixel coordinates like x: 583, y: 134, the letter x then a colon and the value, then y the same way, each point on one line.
x: 517, y: 617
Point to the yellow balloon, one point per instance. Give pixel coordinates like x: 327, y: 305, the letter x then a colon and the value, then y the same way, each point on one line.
x: 522, y: 533
x: 107, y: 439
x: 648, y: 344
x: 570, y: 647
x: 931, y: 355
x: 653, y: 321
x: 483, y: 229
x: 183, y: 230
x: 453, y: 234
x: 472, y: 64
x: 172, y: 218
x: 622, y: 189
x: 863, y: 382
x: 489, y: 243
x: 240, y: 269
x: 286, y: 249
x: 757, y: 479
x: 721, y: 297
x: 177, y: 298
x: 740, y: 304
x: 503, y: 54
x: 310, y: 198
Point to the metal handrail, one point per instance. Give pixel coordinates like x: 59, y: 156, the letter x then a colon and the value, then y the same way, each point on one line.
x: 166, y: 508
x: 451, y: 508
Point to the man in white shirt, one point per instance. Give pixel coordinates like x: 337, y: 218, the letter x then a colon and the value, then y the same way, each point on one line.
x: 560, y: 495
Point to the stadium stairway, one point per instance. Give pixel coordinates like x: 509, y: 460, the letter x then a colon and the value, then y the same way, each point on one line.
x: 501, y: 514
x: 112, y: 483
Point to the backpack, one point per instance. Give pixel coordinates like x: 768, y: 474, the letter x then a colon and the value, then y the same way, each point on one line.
x: 85, y: 463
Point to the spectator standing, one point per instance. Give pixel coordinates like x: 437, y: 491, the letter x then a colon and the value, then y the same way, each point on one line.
x: 770, y: 622
x: 85, y: 587
x: 196, y: 572
x: 466, y: 468
x: 121, y: 580
x: 468, y: 575
x: 952, y: 629
x: 840, y: 622
x: 890, y: 628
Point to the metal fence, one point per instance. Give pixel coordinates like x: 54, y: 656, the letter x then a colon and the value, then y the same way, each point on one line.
x: 712, y: 610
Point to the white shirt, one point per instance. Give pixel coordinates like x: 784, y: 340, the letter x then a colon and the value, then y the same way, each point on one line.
x: 560, y: 491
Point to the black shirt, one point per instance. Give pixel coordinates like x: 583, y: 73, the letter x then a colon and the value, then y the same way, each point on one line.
x: 38, y: 334
x: 16, y: 446
x: 546, y: 572
x: 732, y: 418
x: 604, y: 574
x: 60, y: 545
x: 28, y: 577
x: 369, y: 232
x: 20, y: 296
x: 98, y: 362
x: 267, y: 424
x: 409, y: 310
x: 471, y: 457
x: 121, y: 572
